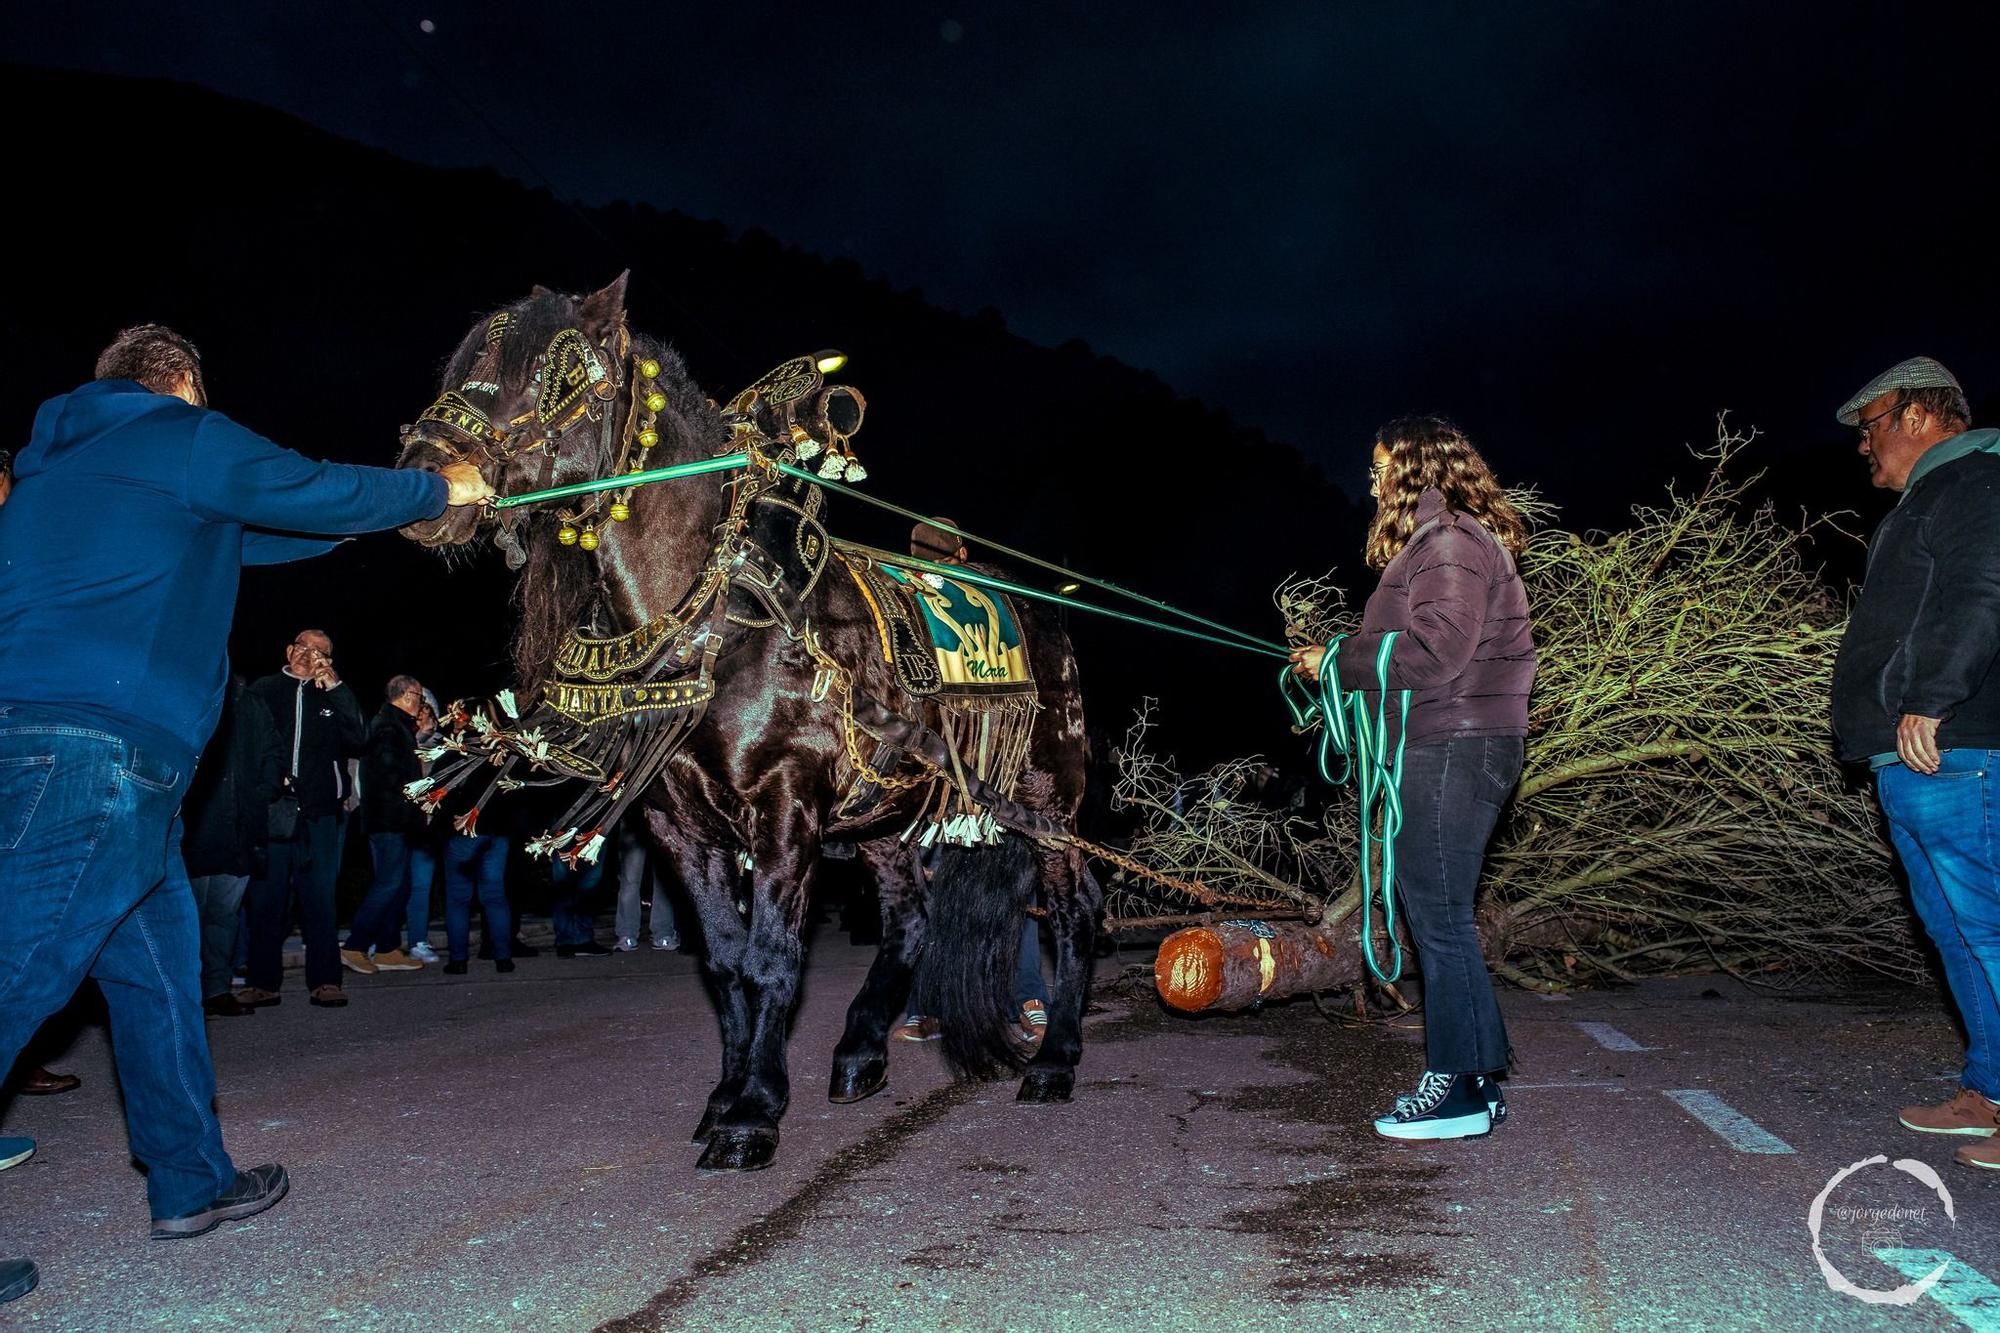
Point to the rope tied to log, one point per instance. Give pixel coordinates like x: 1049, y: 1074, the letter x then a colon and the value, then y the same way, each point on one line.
x: 1360, y: 741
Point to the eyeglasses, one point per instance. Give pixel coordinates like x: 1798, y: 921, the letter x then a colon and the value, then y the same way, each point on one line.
x: 309, y: 650
x: 1867, y: 424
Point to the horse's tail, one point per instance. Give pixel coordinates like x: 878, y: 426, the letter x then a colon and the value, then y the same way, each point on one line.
x: 975, y: 905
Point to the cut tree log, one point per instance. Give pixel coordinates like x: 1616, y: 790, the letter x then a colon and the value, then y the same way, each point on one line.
x: 1233, y: 964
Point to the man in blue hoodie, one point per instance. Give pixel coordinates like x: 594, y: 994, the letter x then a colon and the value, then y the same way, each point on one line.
x: 133, y: 511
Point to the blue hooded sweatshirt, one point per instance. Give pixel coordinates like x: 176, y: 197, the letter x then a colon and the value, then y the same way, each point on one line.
x: 132, y: 516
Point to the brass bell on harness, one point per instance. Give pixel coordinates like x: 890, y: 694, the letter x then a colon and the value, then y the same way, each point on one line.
x: 648, y: 438
x: 656, y: 401
x: 649, y: 368
x: 620, y: 512
x: 566, y: 535
x: 587, y: 539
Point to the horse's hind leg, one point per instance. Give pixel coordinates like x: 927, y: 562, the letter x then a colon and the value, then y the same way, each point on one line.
x: 861, y: 1060
x: 1073, y: 898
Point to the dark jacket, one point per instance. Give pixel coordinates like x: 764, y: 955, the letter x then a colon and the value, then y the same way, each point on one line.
x: 1466, y: 652
x: 391, y: 763
x: 226, y: 810
x: 318, y: 731
x: 1924, y: 632
x: 120, y: 551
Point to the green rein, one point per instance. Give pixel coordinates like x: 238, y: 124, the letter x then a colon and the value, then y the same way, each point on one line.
x: 1361, y: 742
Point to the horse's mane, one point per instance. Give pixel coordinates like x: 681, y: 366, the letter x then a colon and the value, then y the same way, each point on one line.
x: 558, y: 587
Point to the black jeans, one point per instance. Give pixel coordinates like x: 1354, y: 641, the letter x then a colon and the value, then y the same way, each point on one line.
x: 309, y: 865
x: 1452, y: 794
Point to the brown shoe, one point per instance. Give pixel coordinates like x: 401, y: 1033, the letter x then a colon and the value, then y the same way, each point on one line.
x: 1034, y: 1022
x: 41, y: 1083
x: 1965, y: 1113
x: 328, y: 997
x: 256, y: 998
x: 226, y: 1005
x: 395, y: 961
x: 917, y: 1028
x: 356, y: 961
x: 1980, y: 1152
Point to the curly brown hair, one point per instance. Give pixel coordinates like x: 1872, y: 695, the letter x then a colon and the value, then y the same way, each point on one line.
x: 1427, y: 453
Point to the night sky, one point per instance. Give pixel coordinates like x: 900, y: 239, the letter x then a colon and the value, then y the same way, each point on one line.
x: 1581, y: 229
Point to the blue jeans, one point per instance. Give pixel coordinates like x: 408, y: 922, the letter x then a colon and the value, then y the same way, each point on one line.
x: 309, y: 864
x: 378, y: 922
x: 1028, y: 983
x: 423, y: 875
x: 477, y: 862
x: 1943, y: 826
x: 634, y: 868
x: 573, y: 924
x: 1452, y: 793
x: 92, y: 884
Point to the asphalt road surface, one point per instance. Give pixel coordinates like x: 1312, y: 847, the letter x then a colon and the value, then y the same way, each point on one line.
x: 511, y: 1153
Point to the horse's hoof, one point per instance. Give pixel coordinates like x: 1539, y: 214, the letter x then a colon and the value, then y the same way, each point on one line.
x: 739, y: 1150
x: 865, y: 1079
x: 705, y: 1128
x: 1046, y: 1085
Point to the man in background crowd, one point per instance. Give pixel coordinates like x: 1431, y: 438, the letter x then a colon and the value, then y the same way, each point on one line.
x: 227, y: 815
x: 319, y: 727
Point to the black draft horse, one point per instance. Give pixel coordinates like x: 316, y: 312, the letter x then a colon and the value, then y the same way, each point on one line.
x: 556, y: 389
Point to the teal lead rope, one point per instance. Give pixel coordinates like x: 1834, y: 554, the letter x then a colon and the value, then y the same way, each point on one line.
x: 1361, y: 742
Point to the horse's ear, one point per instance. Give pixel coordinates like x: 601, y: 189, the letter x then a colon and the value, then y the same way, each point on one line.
x: 603, y: 312
x: 537, y: 292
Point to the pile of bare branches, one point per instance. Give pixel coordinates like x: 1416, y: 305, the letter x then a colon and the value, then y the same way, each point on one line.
x: 1680, y: 808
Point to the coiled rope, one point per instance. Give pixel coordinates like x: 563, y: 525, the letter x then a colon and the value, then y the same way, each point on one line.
x: 1361, y: 743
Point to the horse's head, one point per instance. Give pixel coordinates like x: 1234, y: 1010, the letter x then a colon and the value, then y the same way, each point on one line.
x: 532, y: 396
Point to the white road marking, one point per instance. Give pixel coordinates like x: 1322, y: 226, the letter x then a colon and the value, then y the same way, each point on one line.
x: 1739, y: 1131
x: 1611, y: 1039
x: 1963, y: 1290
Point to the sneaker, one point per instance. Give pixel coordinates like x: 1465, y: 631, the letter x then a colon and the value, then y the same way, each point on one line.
x: 254, y: 1191
x: 1966, y: 1112
x: 329, y: 997
x: 396, y: 961
x: 1496, y: 1100
x: 13, y: 1152
x: 669, y: 946
x: 455, y: 968
x: 17, y: 1278
x: 1986, y: 1153
x: 422, y: 952
x: 258, y: 999
x: 356, y: 961
x: 626, y: 945
x: 1034, y: 1022
x: 916, y: 1027
x: 1444, y: 1106
x: 591, y: 949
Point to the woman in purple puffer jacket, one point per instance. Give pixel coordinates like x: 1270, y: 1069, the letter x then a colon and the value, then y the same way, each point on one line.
x: 1445, y: 538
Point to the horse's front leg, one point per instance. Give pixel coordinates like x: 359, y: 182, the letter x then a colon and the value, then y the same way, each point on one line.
x: 861, y: 1061
x: 711, y: 876
x: 785, y: 852
x: 1073, y: 898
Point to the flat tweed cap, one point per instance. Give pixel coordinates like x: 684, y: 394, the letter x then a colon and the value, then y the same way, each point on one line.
x: 932, y: 543
x: 1919, y: 372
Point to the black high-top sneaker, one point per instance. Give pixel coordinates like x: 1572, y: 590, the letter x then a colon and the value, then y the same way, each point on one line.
x: 1496, y: 1100
x: 1444, y: 1106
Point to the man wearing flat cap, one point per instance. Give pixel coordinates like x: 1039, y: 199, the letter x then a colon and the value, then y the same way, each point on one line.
x: 1916, y: 694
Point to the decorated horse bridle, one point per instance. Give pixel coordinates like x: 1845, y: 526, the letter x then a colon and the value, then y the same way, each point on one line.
x: 577, y: 383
